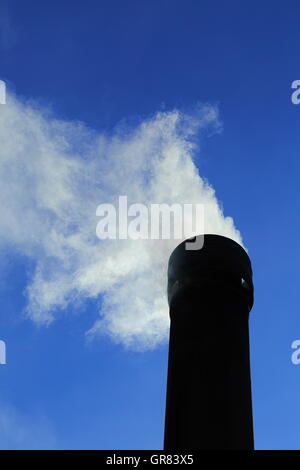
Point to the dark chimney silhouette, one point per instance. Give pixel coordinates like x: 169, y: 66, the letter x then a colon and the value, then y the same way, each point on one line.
x: 210, y: 293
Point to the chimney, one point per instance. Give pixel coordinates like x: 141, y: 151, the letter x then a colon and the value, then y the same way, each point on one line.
x: 210, y: 295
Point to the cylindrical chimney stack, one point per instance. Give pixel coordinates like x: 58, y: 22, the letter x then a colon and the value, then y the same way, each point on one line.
x: 210, y: 293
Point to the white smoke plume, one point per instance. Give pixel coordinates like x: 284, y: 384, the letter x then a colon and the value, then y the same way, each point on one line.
x: 54, y: 174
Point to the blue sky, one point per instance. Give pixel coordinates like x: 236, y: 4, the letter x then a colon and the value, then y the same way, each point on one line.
x: 114, y: 65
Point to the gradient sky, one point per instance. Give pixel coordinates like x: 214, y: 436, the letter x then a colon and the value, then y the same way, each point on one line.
x: 106, y: 62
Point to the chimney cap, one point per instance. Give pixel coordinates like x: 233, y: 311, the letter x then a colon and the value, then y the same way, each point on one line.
x: 219, y: 258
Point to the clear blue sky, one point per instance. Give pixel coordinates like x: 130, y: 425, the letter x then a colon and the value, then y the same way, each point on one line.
x: 101, y: 62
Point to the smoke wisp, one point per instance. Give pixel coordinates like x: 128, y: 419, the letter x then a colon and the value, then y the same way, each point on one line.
x: 53, y: 176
